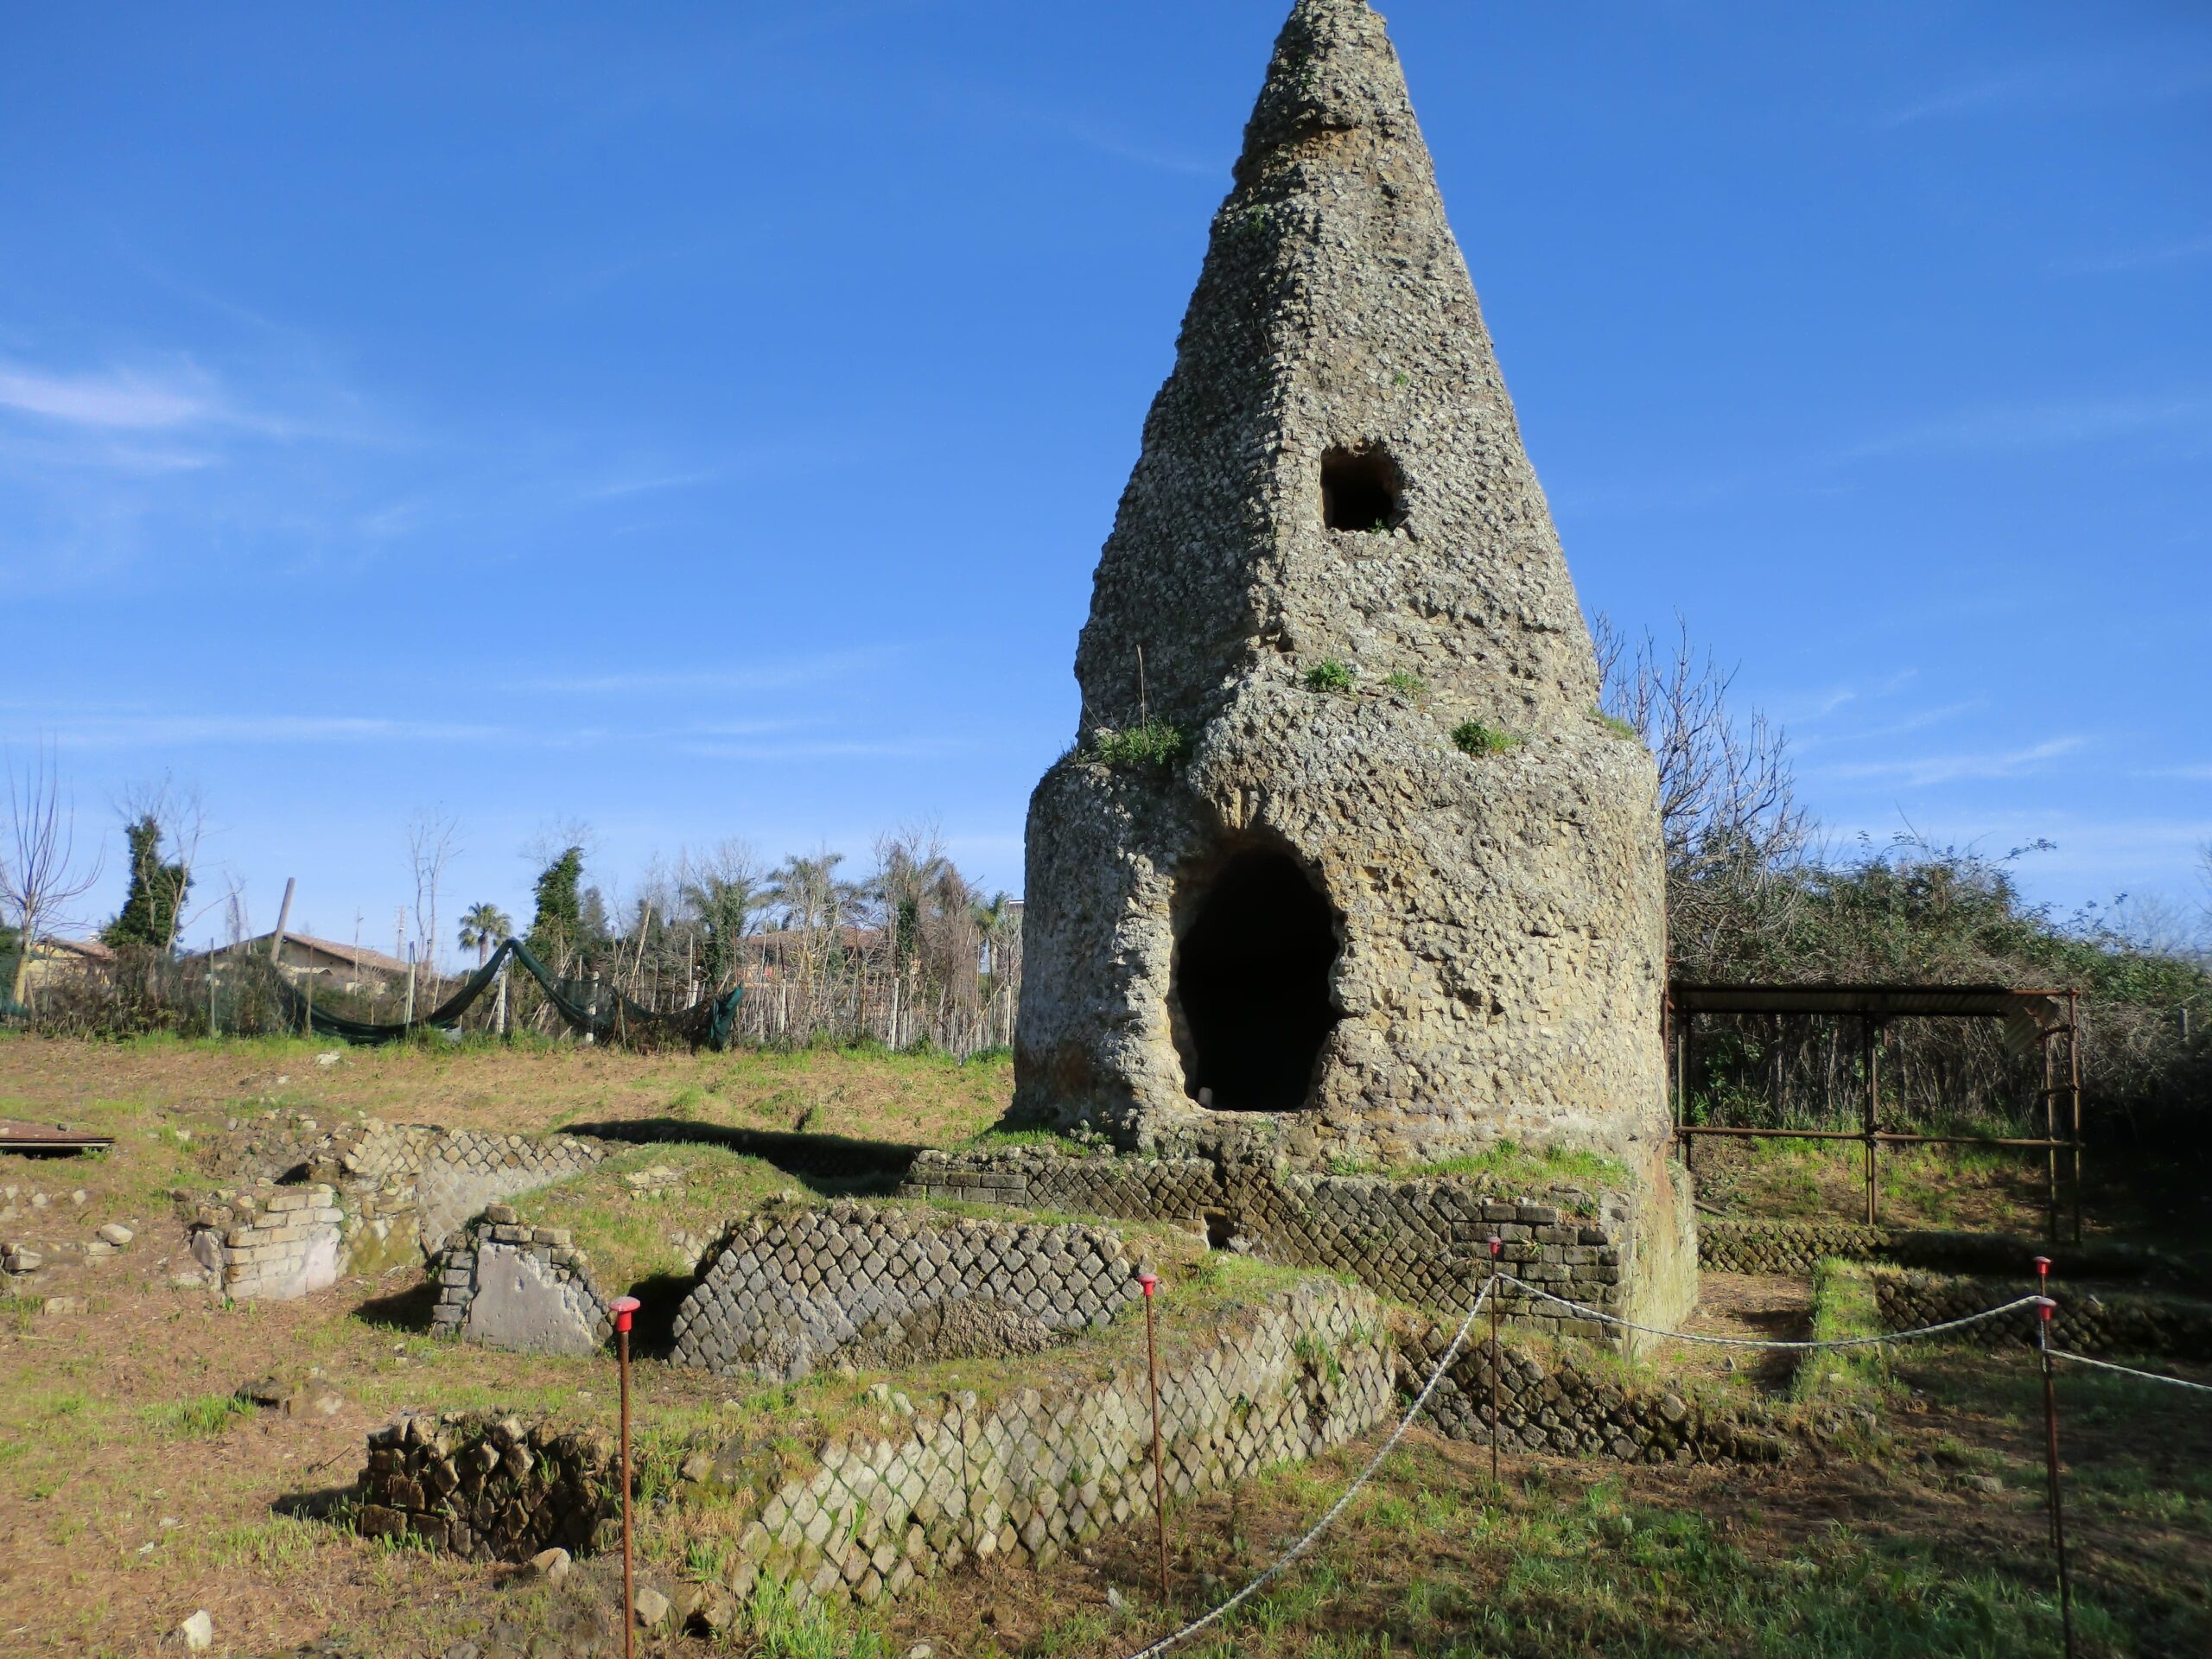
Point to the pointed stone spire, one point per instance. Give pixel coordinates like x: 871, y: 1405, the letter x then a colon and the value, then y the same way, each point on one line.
x: 1398, y: 896
x: 1333, y: 364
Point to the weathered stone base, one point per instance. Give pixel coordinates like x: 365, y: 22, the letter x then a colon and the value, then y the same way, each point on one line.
x: 1423, y: 1240
x: 1740, y: 1245
x: 1554, y: 1399
x: 2096, y: 1323
x: 272, y: 1247
x: 488, y: 1487
x: 886, y: 1285
x: 526, y: 1288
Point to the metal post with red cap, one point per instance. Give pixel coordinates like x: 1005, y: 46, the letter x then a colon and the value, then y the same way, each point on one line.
x: 1150, y: 1283
x: 625, y: 1309
x: 2045, y: 1309
x: 1496, y: 1248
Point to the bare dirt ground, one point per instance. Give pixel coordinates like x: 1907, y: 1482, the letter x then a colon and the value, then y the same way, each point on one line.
x: 134, y: 1491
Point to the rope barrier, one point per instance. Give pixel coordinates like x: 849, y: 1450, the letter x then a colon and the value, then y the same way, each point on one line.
x: 2129, y: 1370
x: 1314, y: 1532
x: 1759, y: 1342
x: 1459, y: 1340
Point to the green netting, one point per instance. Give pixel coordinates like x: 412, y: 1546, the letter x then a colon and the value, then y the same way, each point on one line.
x: 616, y: 1019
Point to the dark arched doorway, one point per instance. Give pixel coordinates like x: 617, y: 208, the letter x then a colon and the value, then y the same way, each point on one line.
x: 1252, y: 979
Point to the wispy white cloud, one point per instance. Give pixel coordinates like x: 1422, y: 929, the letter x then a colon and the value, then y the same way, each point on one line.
x: 1826, y: 703
x: 1107, y: 142
x: 126, y: 399
x: 2135, y: 77
x: 651, y: 484
x: 778, y: 674
x: 2196, y: 774
x: 124, y: 730
x: 2185, y: 252
x: 1918, y: 720
x: 1922, y: 770
x: 914, y: 748
x: 2027, y: 426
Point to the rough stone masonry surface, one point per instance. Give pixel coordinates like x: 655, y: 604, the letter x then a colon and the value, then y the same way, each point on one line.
x: 271, y: 1246
x: 489, y: 1487
x: 876, y: 1284
x: 919, y: 1489
x: 1494, y: 949
x: 1425, y: 1241
x: 527, y: 1288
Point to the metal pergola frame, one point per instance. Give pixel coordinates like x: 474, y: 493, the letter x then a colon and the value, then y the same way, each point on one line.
x: 2049, y: 1019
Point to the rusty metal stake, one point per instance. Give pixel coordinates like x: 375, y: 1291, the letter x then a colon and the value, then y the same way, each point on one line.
x: 1150, y: 1283
x: 1496, y: 1245
x: 2050, y: 1451
x: 623, y: 1307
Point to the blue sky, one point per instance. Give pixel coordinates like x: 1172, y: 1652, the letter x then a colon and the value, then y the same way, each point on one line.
x: 703, y: 422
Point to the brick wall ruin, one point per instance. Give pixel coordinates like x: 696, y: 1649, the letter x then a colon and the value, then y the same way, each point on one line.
x: 271, y: 1245
x: 1424, y: 1241
x: 424, y: 1183
x: 877, y: 1284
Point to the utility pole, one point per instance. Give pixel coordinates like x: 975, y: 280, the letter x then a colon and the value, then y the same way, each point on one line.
x: 283, y: 915
x: 408, y: 1018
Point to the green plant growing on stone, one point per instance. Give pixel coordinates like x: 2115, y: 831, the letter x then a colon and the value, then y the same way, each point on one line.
x: 1406, y: 686
x: 1472, y: 737
x: 1317, y: 1355
x: 1615, y: 725
x: 1331, y: 677
x: 1154, y: 743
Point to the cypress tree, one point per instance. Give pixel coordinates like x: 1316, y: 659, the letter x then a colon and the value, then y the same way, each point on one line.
x: 558, y: 927
x: 156, y: 894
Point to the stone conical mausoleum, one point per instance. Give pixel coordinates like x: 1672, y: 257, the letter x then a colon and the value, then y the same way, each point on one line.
x: 1394, y: 893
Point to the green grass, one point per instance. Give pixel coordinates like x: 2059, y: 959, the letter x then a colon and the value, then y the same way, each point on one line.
x: 1331, y: 676
x: 1154, y: 743
x: 1844, y: 1307
x: 198, y: 1418
x: 628, y: 1234
x: 1615, y: 725
x: 1472, y: 737
x: 1067, y: 1146
x: 1406, y: 686
x: 1509, y: 1164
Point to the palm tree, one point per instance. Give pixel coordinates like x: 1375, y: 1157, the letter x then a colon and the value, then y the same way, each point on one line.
x: 483, y: 926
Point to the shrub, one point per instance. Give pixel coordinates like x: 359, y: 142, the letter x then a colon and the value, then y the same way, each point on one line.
x: 1405, y: 685
x: 1154, y: 743
x: 1472, y: 737
x: 1331, y: 675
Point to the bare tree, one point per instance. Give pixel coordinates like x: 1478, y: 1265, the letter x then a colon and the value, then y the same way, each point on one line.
x: 433, y: 839
x: 1728, y: 813
x: 39, y: 872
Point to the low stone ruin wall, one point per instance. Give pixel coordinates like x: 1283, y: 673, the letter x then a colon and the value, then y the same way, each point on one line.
x: 1289, y: 1378
x: 887, y: 1285
x: 2095, y: 1322
x: 911, y: 1491
x: 488, y: 1487
x: 1424, y: 1241
x: 272, y: 1245
x: 1731, y: 1245
x: 418, y: 1184
x: 527, y: 1288
x: 1553, y: 1399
